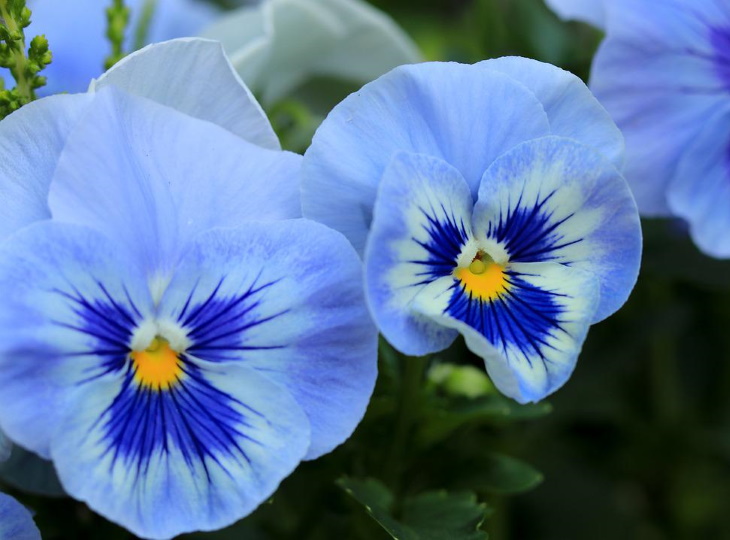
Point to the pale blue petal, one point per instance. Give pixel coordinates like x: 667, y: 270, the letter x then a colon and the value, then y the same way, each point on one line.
x: 76, y: 33
x: 285, y: 299
x: 197, y: 456
x: 464, y: 115
x: 700, y: 189
x: 151, y: 178
x: 16, y: 522
x: 531, y: 334
x: 193, y: 76
x: 31, y: 141
x: 590, y: 11
x: 67, y: 315
x: 421, y: 224
x: 656, y: 74
x: 553, y: 199
x: 571, y: 108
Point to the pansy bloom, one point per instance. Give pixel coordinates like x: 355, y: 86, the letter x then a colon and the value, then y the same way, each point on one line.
x: 486, y: 201
x: 590, y: 11
x: 16, y: 522
x: 170, y: 337
x: 663, y: 73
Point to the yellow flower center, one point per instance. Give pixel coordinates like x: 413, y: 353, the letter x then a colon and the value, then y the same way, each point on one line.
x: 483, y: 278
x: 157, y: 367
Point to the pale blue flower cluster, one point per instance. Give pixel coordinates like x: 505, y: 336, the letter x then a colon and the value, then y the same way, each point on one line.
x: 663, y: 73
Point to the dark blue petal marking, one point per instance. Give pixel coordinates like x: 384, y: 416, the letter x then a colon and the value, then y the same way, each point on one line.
x: 445, y: 241
x: 720, y: 40
x: 530, y: 233
x: 217, y: 326
x: 522, y: 317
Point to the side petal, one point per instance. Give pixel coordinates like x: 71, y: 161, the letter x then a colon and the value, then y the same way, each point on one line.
x: 70, y: 307
x: 464, y: 115
x: 571, y: 108
x: 197, y: 456
x: 31, y: 141
x: 151, y: 178
x: 555, y: 200
x: 420, y: 227
x: 286, y: 300
x: 16, y: 522
x: 700, y: 189
x: 193, y: 76
x: 531, y: 334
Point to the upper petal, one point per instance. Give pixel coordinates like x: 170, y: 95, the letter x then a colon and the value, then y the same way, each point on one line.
x: 464, y: 115
x: 553, y: 199
x: 590, y: 11
x: 193, y: 76
x: 151, y: 178
x: 286, y: 300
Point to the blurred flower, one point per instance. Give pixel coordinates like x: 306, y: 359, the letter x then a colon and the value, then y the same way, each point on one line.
x: 279, y: 44
x: 551, y: 246
x: 76, y: 32
x: 170, y: 345
x: 590, y: 11
x: 663, y: 73
x: 16, y: 522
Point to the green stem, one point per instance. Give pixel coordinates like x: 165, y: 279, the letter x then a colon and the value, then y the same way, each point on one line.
x: 23, y: 85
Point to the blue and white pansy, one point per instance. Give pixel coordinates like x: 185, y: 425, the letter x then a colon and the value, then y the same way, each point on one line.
x: 171, y: 337
x: 492, y: 206
x: 16, y: 522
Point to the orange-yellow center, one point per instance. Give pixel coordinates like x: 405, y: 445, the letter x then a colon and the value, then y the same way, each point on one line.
x: 157, y: 367
x: 483, y: 278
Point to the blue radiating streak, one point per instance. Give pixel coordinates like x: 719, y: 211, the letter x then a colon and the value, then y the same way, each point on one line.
x: 530, y: 233
x: 444, y: 244
x: 523, y: 316
x: 202, y: 423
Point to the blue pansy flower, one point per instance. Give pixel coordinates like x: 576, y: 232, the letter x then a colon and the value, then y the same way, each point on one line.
x: 76, y: 32
x: 171, y: 337
x: 590, y: 11
x: 16, y: 522
x: 663, y: 74
x: 486, y: 201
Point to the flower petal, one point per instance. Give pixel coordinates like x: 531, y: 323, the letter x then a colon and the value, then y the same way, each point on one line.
x: 31, y: 140
x: 438, y: 109
x: 151, y: 178
x: 530, y: 335
x: 700, y: 188
x: 284, y: 299
x: 66, y: 316
x: 571, y: 108
x: 420, y: 226
x: 162, y: 72
x: 590, y: 11
x: 553, y: 199
x: 16, y: 522
x: 196, y: 456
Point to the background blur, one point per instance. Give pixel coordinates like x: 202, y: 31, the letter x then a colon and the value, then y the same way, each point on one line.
x: 635, y: 446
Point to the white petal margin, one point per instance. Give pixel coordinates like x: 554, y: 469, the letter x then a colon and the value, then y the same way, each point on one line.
x: 285, y: 299
x: 31, y: 140
x: 419, y: 199
x: 172, y: 490
x: 195, y: 77
x: 590, y: 218
x: 590, y: 11
x: 16, y: 521
x: 571, y: 108
x: 521, y: 370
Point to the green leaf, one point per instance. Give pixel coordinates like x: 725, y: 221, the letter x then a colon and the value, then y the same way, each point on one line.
x: 435, y: 515
x: 505, y: 475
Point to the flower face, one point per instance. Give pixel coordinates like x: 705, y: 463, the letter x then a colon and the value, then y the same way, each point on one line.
x: 16, y: 522
x: 662, y: 74
x: 171, y: 339
x: 486, y: 211
x: 279, y: 44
